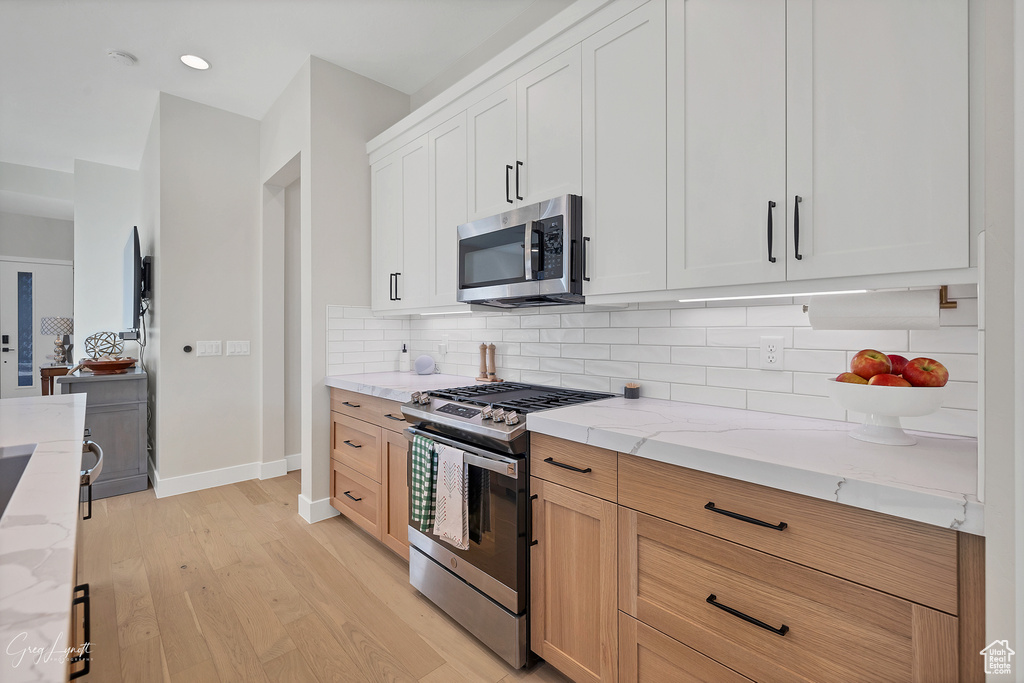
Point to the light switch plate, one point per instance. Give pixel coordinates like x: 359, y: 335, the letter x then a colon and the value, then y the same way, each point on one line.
x: 238, y: 348
x: 208, y: 348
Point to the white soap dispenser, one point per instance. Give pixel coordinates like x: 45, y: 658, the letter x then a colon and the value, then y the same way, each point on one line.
x: 403, y: 360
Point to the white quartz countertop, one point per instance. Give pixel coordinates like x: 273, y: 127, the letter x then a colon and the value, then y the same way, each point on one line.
x: 38, y: 535
x: 395, y: 386
x: 934, y: 481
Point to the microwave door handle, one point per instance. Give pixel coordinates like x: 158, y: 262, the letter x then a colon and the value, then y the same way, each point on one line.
x: 528, y: 252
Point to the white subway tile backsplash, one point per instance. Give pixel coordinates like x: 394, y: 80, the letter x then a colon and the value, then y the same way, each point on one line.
x: 709, y: 355
x: 571, y: 365
x: 697, y: 352
x: 709, y: 317
x: 613, y: 335
x: 886, y: 341
x: 612, y: 368
x: 657, y: 318
x: 741, y: 378
x: 557, y: 335
x: 672, y: 336
x: 591, y: 351
x: 952, y: 339
x: 646, y: 354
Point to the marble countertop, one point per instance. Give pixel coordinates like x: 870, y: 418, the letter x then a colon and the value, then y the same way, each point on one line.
x: 395, y: 386
x: 934, y: 481
x: 38, y: 535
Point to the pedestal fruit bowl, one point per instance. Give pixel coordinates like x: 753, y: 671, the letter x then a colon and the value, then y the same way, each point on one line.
x: 883, y: 406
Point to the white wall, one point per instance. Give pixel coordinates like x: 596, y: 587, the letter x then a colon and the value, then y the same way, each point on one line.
x: 36, y: 191
x: 149, y: 242
x: 209, y: 408
x: 107, y: 206
x: 292, y: 351
x: 36, y: 237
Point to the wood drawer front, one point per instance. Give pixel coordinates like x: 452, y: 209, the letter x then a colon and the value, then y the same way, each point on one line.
x: 356, y: 497
x: 391, y: 415
x: 905, y: 558
x: 837, y: 630
x: 360, y: 406
x: 356, y: 444
x: 600, y: 481
x: 649, y: 656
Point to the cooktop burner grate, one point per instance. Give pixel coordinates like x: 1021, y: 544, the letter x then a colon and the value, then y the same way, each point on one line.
x: 522, y: 398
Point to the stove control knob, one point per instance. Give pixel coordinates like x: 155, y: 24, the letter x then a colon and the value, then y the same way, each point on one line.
x: 486, y: 413
x: 415, y: 397
x: 498, y: 415
x: 511, y: 418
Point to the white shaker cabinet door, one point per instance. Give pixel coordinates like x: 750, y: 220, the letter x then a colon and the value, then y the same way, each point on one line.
x: 413, y: 281
x: 446, y: 147
x: 549, y: 162
x: 726, y: 142
x: 877, y: 136
x: 624, y: 153
x: 491, y: 127
x: 386, y: 259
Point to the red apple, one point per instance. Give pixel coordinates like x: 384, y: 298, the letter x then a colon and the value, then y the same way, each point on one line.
x: 888, y: 380
x: 868, y: 363
x: 898, y: 363
x: 926, y: 372
x: 851, y: 378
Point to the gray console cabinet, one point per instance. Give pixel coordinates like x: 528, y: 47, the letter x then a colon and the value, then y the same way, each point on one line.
x: 115, y: 415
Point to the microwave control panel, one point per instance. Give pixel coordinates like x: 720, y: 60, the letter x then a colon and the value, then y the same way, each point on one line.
x: 547, y: 248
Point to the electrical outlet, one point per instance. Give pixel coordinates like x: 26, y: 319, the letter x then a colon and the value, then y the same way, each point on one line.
x: 771, y: 353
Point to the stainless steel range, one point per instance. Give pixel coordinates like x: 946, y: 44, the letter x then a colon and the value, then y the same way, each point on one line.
x: 485, y: 587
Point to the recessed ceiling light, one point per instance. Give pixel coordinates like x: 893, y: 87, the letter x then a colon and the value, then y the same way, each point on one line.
x: 122, y: 57
x: 195, y: 62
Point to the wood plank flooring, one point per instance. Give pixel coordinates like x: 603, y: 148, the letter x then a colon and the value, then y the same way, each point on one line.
x: 230, y: 584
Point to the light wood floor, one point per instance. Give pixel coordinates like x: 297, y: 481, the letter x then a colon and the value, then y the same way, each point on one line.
x: 230, y: 584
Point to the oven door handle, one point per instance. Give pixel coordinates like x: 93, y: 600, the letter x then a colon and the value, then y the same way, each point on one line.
x: 495, y: 463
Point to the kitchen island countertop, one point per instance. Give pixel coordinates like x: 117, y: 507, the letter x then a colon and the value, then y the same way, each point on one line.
x: 38, y: 532
x: 934, y: 481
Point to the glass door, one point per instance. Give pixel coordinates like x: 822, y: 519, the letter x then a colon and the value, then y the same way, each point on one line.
x: 29, y: 292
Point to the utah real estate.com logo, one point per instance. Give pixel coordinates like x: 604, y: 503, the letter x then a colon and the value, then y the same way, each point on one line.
x: 998, y: 657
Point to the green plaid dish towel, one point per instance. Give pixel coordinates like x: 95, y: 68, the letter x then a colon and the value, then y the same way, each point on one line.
x: 424, y: 476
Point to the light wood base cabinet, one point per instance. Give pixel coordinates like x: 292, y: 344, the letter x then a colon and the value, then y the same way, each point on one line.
x: 368, y: 462
x: 647, y: 655
x: 573, y: 616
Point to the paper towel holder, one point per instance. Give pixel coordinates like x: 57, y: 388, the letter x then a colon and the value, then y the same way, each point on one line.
x: 944, y: 301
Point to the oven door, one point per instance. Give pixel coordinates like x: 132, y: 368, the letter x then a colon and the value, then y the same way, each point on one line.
x: 496, y: 561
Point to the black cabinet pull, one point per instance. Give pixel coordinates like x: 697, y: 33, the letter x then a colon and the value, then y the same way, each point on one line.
x: 350, y: 496
x: 771, y: 205
x: 796, y: 228
x: 743, y: 518
x: 396, y: 419
x: 519, y: 165
x: 84, y: 655
x: 567, y: 467
x: 585, y: 278
x: 782, y: 630
x: 350, y: 405
x: 397, y: 298
x: 352, y: 445
x: 391, y: 286
x: 533, y: 540
x: 508, y: 191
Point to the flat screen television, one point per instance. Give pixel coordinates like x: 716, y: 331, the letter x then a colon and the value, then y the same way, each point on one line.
x: 136, y: 284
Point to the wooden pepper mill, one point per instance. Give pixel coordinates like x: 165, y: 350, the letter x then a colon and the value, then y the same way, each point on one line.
x: 491, y: 370
x: 483, y: 363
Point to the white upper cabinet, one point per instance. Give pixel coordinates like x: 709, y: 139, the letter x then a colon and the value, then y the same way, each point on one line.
x: 524, y: 141
x: 446, y: 151
x: 549, y: 131
x: 726, y: 142
x: 877, y: 136
x: 624, y: 153
x: 401, y: 262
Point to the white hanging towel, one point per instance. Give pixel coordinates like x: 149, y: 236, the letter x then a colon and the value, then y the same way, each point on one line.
x: 451, y: 519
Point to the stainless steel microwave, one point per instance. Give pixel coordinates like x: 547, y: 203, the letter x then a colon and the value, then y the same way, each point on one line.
x: 529, y: 256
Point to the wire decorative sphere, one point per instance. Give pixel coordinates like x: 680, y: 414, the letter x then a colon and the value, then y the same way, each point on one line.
x: 104, y: 344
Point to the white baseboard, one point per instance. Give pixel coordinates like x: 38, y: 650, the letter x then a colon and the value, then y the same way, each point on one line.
x: 294, y: 461
x: 316, y: 511
x: 186, y: 483
x: 274, y: 468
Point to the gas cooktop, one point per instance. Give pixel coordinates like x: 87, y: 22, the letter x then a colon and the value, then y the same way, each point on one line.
x: 522, y: 398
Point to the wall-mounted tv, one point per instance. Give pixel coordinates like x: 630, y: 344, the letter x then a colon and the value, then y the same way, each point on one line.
x: 136, y: 284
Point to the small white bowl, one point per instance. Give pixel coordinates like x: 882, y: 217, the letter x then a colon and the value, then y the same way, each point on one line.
x: 883, y: 407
